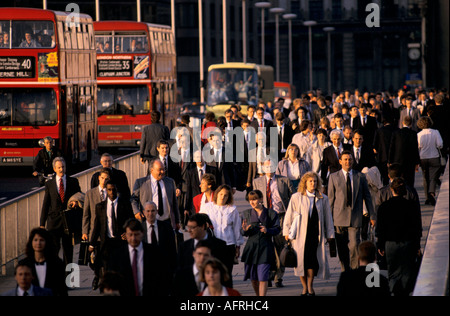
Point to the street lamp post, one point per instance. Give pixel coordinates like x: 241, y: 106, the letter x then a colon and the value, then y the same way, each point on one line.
x: 328, y: 30
x: 224, y: 31
x: 244, y: 32
x: 289, y: 17
x: 200, y: 48
x: 263, y: 6
x: 310, y: 24
x: 277, y: 12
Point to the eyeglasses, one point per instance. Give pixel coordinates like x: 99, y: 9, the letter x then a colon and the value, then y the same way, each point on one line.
x: 191, y: 227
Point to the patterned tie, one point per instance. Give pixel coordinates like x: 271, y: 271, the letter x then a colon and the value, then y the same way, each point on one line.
x: 135, y: 275
x: 357, y: 155
x: 61, y: 189
x: 102, y: 195
x: 165, y: 165
x: 269, y: 195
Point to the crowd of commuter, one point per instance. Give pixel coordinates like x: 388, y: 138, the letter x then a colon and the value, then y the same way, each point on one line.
x: 320, y: 171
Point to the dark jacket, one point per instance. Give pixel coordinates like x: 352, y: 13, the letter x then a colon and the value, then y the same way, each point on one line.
x: 260, y: 248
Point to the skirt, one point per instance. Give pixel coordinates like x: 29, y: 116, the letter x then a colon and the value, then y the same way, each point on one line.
x: 257, y: 272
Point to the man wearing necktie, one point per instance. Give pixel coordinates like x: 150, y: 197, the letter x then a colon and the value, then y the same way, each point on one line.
x: 110, y: 217
x: 92, y: 198
x: 411, y: 112
x: 160, y: 234
x: 348, y: 191
x: 148, y: 191
x: 58, y: 191
x: 139, y: 263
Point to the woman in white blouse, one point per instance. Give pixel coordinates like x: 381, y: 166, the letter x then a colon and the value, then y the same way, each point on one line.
x: 430, y: 141
x: 293, y: 166
x: 314, y: 156
x: 310, y: 212
x: 226, y: 223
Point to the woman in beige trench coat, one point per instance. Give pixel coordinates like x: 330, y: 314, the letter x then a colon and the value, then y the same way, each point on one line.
x: 295, y: 227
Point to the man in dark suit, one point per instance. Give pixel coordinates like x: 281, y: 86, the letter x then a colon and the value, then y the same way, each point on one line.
x: 348, y: 191
x: 23, y: 274
x: 184, y: 165
x: 412, y: 112
x: 354, y: 121
x: 139, y: 263
x: 193, y: 179
x: 42, y: 163
x: 331, y: 155
x: 367, y: 124
x: 187, y: 279
x: 362, y: 153
x: 58, y: 191
x: 225, y: 168
x: 198, y: 230
x: 353, y: 283
x: 171, y: 168
x: 262, y: 124
x: 110, y: 216
x: 161, y: 234
x: 151, y: 134
x: 381, y: 145
x: 404, y: 150
x: 159, y: 189
x: 117, y: 176
x: 285, y: 135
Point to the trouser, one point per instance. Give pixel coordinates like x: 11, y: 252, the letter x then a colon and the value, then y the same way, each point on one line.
x: 101, y: 261
x: 347, y: 242
x: 409, y: 174
x: 279, y: 241
x: 59, y: 237
x: 431, y: 173
x: 401, y: 262
x: 230, y: 255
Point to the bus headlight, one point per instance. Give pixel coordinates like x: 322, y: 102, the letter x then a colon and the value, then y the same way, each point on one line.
x: 137, y: 128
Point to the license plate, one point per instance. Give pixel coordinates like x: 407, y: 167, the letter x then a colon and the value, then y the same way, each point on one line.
x: 12, y: 159
x: 116, y: 142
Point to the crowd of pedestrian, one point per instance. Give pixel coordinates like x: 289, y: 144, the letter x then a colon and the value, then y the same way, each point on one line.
x: 321, y: 171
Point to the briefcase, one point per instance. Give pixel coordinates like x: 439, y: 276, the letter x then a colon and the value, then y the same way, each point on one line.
x: 288, y: 256
x: 332, y: 245
x: 84, y: 256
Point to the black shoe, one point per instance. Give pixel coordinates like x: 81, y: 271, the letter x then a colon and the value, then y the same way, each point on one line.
x: 279, y: 284
x: 432, y: 201
x: 304, y: 294
x: 427, y: 202
x: 95, y: 284
x: 269, y: 284
x: 312, y: 294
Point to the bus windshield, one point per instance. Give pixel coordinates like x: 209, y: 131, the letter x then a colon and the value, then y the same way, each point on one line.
x: 27, y: 34
x: 123, y: 100
x: 232, y: 85
x: 28, y: 107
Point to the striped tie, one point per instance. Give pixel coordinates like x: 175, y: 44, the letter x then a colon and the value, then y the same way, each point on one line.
x: 269, y: 195
x: 61, y: 189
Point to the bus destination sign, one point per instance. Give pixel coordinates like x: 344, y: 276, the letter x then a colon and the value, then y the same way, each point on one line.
x: 17, y: 67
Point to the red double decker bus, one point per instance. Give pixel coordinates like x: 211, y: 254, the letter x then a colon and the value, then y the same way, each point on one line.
x: 136, y: 74
x: 47, y: 85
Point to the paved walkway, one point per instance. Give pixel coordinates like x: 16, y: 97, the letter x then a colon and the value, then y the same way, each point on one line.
x: 292, y: 283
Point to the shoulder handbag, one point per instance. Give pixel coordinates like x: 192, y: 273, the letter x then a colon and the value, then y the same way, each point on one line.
x: 288, y: 256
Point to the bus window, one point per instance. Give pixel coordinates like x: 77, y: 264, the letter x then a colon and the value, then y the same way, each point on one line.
x: 88, y: 104
x: 33, y: 34
x: 69, y: 105
x: 82, y: 105
x: 122, y: 100
x: 27, y: 107
x: 4, y: 34
x: 61, y: 35
x: 103, y: 44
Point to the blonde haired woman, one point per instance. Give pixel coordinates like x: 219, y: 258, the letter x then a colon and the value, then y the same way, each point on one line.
x: 293, y: 166
x: 311, y: 211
